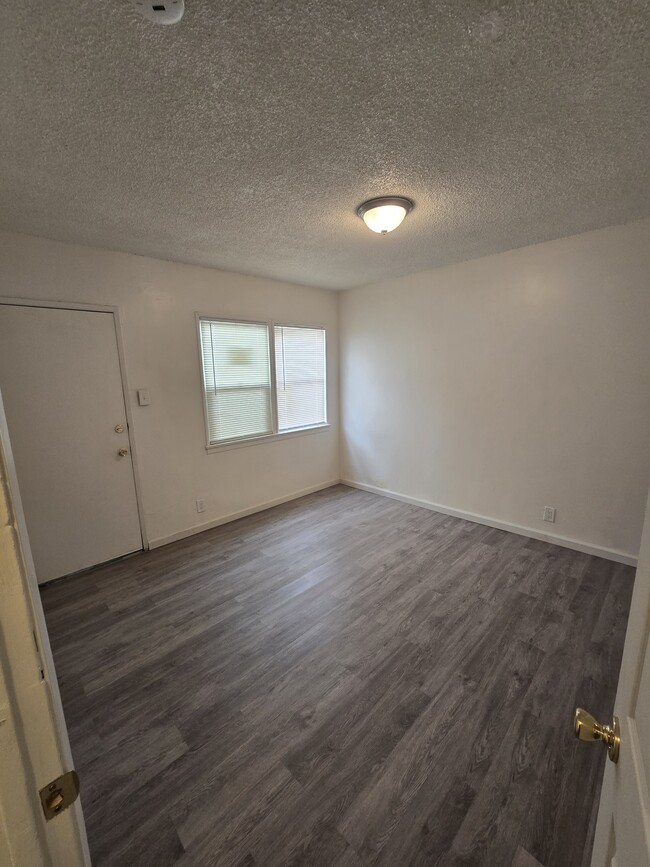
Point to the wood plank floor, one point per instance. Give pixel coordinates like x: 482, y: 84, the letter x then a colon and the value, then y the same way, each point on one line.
x: 343, y: 680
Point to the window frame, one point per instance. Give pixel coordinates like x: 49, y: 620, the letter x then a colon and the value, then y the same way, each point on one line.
x: 277, y: 434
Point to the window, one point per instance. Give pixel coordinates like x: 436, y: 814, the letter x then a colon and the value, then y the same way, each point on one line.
x: 300, y: 376
x: 237, y: 380
x: 260, y: 380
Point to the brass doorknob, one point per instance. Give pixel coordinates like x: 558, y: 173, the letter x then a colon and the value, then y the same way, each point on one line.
x: 122, y: 452
x: 586, y: 728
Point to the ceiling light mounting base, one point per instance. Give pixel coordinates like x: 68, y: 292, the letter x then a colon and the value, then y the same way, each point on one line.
x: 163, y: 12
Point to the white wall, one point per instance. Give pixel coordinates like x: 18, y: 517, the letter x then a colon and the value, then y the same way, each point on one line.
x: 508, y: 383
x: 158, y: 300
x: 493, y: 387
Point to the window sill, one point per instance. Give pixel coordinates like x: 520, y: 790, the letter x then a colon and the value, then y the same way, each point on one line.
x: 253, y: 441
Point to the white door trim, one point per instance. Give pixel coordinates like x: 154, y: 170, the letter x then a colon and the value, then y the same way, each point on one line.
x: 117, y: 324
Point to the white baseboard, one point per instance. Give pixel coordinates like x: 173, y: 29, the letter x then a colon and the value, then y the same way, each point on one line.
x: 563, y: 541
x: 233, y: 516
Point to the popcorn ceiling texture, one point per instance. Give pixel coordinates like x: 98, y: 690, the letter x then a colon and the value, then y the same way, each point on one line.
x: 244, y: 137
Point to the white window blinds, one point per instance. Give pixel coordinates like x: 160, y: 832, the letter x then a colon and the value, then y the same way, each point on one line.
x: 300, y: 377
x: 237, y: 379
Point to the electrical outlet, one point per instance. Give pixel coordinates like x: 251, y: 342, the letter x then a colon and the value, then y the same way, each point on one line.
x: 200, y: 505
x: 549, y: 514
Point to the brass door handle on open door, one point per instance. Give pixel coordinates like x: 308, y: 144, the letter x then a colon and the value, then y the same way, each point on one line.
x: 122, y: 452
x: 586, y: 728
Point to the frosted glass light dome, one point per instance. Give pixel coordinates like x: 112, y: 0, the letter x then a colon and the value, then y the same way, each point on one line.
x: 384, y: 214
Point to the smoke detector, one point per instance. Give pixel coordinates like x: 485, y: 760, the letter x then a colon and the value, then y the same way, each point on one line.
x: 165, y: 12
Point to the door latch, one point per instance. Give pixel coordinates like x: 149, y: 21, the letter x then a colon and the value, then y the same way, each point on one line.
x: 59, y: 794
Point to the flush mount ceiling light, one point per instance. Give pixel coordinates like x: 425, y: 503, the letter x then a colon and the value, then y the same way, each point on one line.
x: 384, y: 214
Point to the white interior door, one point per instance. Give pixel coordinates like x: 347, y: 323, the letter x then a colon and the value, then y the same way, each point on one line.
x: 62, y: 389
x: 34, y: 746
x: 623, y: 829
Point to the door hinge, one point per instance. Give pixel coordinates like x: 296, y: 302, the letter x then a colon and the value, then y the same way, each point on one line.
x: 59, y: 794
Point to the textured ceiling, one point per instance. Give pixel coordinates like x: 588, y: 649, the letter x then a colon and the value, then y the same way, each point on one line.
x: 245, y: 136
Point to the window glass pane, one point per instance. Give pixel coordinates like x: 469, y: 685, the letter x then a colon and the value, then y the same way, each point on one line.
x: 237, y: 379
x: 300, y: 377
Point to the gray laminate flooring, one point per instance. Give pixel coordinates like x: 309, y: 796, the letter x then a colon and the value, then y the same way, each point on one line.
x: 343, y: 680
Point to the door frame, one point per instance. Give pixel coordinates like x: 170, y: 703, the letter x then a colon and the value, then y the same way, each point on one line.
x: 116, y: 312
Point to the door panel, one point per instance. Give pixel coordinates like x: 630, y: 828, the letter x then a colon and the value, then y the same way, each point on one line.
x: 623, y: 829
x: 34, y: 745
x: 61, y: 384
x: 643, y: 712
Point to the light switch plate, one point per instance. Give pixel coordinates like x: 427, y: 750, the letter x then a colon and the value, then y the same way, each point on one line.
x: 144, y: 396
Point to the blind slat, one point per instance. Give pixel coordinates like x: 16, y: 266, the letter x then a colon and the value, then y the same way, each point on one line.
x: 300, y: 377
